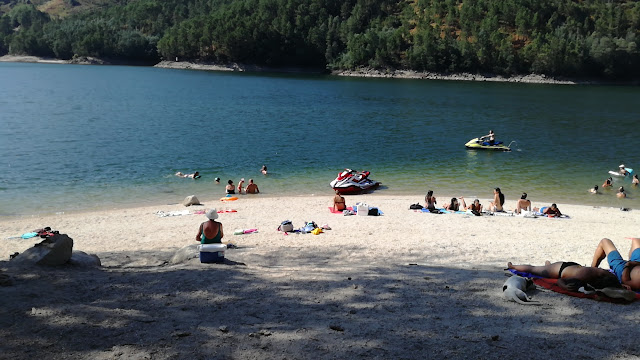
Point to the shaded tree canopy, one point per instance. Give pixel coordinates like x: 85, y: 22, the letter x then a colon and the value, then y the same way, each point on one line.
x: 591, y: 38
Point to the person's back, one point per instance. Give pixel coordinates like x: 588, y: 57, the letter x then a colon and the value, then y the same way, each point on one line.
x: 339, y: 202
x: 252, y: 188
x: 523, y: 204
x: 210, y: 232
x: 430, y: 201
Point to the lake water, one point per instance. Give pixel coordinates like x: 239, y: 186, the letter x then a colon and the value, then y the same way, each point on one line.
x: 76, y: 137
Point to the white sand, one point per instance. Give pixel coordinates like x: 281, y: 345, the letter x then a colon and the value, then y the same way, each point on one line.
x: 403, y: 285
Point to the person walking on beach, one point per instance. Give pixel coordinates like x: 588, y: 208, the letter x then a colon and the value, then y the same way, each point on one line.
x: 210, y: 232
x: 230, y: 188
x: 523, y: 204
x: 498, y: 200
x: 627, y: 272
x: 251, y: 188
x: 430, y: 200
x: 572, y: 276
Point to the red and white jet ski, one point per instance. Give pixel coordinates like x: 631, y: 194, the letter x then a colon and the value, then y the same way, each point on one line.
x: 353, y: 182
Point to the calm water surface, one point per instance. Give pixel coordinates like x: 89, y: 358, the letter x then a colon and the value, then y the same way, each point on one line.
x: 82, y: 137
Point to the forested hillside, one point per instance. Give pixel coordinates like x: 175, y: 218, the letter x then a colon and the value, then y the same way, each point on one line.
x: 590, y: 38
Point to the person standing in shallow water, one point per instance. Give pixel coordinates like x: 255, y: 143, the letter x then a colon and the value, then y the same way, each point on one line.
x: 263, y: 170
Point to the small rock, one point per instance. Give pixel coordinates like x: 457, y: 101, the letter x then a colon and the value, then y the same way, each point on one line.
x: 495, y: 337
x: 336, y: 328
x: 224, y: 329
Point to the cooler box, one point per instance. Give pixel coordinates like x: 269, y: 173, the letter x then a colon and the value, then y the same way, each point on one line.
x: 212, y: 253
x: 362, y: 209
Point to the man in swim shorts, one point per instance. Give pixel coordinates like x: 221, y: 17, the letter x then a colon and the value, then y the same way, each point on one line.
x: 628, y: 272
x: 571, y: 275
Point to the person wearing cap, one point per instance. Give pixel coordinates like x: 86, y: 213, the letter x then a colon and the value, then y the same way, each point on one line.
x: 621, y: 194
x: 623, y: 170
x: 240, y: 184
x: 210, y: 232
x: 251, y: 188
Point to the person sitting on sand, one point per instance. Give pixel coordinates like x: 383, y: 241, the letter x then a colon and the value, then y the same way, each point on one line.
x: 594, y: 189
x: 621, y: 194
x: 608, y: 182
x: 475, y: 205
x: 263, y: 170
x: 454, y: 205
x: 627, y: 272
x: 430, y: 201
x: 552, y: 211
x: 635, y: 182
x: 240, y: 186
x: 210, y: 232
x: 498, y: 200
x: 523, y: 204
x: 338, y: 202
x: 251, y: 188
x: 230, y: 188
x: 572, y: 276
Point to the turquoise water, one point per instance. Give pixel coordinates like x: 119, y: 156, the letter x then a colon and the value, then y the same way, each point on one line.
x: 83, y: 137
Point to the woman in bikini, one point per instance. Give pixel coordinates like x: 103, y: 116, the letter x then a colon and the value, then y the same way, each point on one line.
x: 454, y: 205
x: 338, y: 202
x: 498, y: 200
x: 571, y: 275
x: 475, y: 205
x: 430, y: 200
x: 210, y: 232
x: 231, y: 189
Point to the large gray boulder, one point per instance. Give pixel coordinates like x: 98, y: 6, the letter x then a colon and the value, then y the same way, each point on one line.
x: 82, y: 259
x: 191, y: 200
x: 54, y: 250
x: 185, y: 254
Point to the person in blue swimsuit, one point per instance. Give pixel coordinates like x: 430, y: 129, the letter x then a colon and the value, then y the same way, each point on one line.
x: 210, y: 232
x: 571, y: 276
x: 628, y: 272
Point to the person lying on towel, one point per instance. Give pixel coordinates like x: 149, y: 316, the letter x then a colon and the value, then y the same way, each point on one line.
x: 628, y: 272
x: 572, y: 276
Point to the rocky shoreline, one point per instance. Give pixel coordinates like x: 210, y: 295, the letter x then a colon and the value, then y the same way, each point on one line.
x: 362, y: 72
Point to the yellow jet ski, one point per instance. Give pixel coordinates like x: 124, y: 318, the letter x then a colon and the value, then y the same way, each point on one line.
x: 479, y: 144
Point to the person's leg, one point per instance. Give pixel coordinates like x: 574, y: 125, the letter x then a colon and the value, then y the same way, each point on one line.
x: 604, y: 248
x: 635, y: 244
x: 548, y: 270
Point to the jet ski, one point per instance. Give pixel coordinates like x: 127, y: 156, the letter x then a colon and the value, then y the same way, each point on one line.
x: 351, y: 182
x: 479, y: 144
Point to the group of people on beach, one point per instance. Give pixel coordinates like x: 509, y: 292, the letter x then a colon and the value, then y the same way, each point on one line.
x: 572, y: 276
x: 251, y: 187
x: 608, y: 183
x: 497, y: 205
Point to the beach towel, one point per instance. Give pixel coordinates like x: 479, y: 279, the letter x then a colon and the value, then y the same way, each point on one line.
x: 172, y: 213
x: 331, y: 210
x: 552, y: 284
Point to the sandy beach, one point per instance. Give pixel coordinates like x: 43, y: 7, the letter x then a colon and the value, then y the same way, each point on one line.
x: 405, y: 285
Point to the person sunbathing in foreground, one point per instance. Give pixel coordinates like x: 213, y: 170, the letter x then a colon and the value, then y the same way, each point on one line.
x: 571, y: 276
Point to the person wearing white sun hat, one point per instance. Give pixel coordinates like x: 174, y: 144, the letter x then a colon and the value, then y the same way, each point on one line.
x: 210, y: 232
